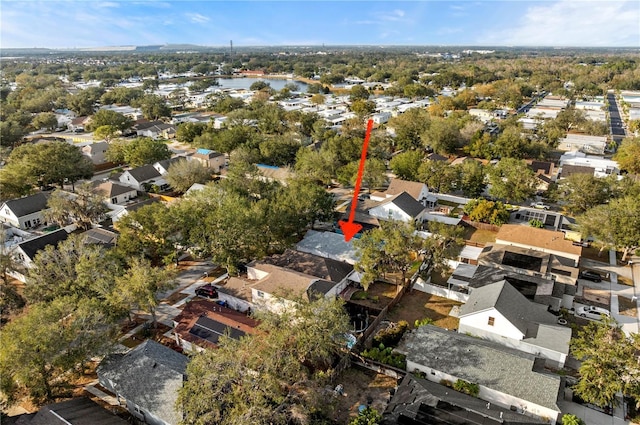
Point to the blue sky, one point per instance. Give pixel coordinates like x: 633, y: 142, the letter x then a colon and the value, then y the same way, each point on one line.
x: 79, y: 24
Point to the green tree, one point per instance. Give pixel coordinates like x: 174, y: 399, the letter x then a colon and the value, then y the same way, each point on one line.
x: 374, y: 174
x: 405, y: 165
x: 109, y: 117
x: 11, y: 132
x: 83, y: 102
x: 73, y: 268
x: 362, y: 108
x: 609, y: 363
x: 84, y: 208
x: 39, y: 349
x: 512, y: 179
x: 15, y: 182
x: 106, y: 132
x: 471, y: 178
x: 439, y: 176
x: 51, y: 162
x: 409, y: 128
x: 319, y: 166
x: 358, y: 92
x: 628, y: 155
x: 487, y: 211
x: 614, y: 225
x: 188, y: 131
x: 260, y: 85
x: 137, y: 152
x: 269, y: 377
x: 148, y: 231
x: 510, y: 144
x: 153, y: 107
x: 183, y: 174
x: 142, y: 283
x: 584, y: 191
x: 441, y: 136
x: 45, y: 120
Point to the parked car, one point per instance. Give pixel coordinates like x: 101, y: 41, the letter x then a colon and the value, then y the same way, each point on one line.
x: 590, y: 275
x: 207, y: 291
x: 592, y: 312
x: 540, y: 205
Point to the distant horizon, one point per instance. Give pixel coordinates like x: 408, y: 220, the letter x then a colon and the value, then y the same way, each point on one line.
x: 75, y: 25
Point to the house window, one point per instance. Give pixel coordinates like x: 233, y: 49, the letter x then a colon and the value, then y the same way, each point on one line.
x: 27, y: 223
x: 491, y: 321
x: 6, y: 211
x: 260, y: 294
x: 114, y: 200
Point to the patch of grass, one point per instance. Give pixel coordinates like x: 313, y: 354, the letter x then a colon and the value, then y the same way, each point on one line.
x: 479, y: 235
x: 416, y: 305
x: 360, y: 295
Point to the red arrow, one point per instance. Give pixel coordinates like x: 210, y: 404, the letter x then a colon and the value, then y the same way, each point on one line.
x: 349, y: 228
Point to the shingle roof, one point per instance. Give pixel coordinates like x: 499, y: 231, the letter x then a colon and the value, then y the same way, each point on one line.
x: 78, y: 411
x: 408, y: 204
x: 568, y: 169
x: 483, y: 362
x: 422, y: 402
x: 144, y: 173
x: 313, y: 265
x: 150, y: 376
x: 28, y: 204
x: 283, y: 282
x: 109, y: 189
x: 397, y: 186
x: 166, y: 163
x: 32, y: 246
x: 536, y: 238
x: 537, y: 325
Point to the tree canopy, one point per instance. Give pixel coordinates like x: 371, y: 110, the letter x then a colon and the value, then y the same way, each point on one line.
x: 137, y: 152
x: 273, y: 377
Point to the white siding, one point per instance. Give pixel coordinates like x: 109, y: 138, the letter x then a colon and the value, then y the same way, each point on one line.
x: 479, y: 322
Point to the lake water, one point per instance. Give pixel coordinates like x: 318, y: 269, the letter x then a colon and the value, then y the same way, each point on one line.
x: 245, y: 83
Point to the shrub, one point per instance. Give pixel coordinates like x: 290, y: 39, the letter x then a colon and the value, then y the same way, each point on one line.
x: 570, y: 419
x: 467, y: 387
x: 368, y: 416
x: 391, y: 335
x: 536, y: 223
x: 386, y: 355
x: 446, y: 383
x: 423, y: 322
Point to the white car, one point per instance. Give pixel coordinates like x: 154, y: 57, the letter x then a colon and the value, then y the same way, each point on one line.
x: 592, y: 312
x: 540, y: 205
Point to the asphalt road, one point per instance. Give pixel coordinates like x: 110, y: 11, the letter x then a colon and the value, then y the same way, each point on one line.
x: 617, y: 130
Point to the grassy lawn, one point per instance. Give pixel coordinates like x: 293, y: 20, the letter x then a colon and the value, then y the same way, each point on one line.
x: 479, y: 235
x: 416, y: 305
x: 378, y: 296
x: 594, y: 253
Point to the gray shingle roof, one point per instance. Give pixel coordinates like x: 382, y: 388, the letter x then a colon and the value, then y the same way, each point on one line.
x: 538, y: 326
x: 144, y: 173
x: 413, y: 393
x: 28, y: 204
x: 150, y: 376
x: 483, y: 362
x: 408, y: 204
x: 78, y: 411
x: 32, y: 246
x: 109, y: 189
x: 313, y: 265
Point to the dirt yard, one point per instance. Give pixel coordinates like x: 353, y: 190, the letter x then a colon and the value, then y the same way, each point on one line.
x: 417, y: 305
x: 600, y: 296
x: 359, y: 386
x: 627, y: 307
x: 378, y: 296
x: 479, y: 235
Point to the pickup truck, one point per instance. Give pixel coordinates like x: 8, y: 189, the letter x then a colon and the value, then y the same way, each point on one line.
x: 540, y: 205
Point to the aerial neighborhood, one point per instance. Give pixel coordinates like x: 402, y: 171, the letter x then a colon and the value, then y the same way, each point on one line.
x: 173, y: 249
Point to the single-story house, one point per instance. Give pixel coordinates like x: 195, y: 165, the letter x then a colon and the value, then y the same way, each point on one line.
x: 328, y: 245
x: 163, y: 166
x: 548, y: 241
x: 146, y: 379
x: 202, y: 322
x: 509, y: 378
x: 25, y: 213
x: 500, y: 313
x: 115, y: 193
x: 155, y: 130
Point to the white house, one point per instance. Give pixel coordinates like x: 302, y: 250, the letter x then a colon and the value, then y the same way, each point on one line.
x: 24, y: 213
x: 96, y: 152
x: 418, y: 191
x: 500, y: 313
x: 601, y: 167
x: 584, y: 143
x: 138, y: 177
x: 402, y: 207
x: 24, y: 253
x: 509, y: 378
x: 115, y: 193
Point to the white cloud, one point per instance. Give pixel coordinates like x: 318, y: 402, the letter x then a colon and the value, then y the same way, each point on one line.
x: 573, y: 23
x: 107, y: 4
x: 393, y: 16
x: 197, y: 18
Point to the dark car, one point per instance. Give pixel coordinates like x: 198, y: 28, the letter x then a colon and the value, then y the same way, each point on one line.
x: 592, y: 276
x: 207, y: 291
